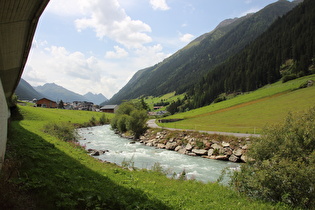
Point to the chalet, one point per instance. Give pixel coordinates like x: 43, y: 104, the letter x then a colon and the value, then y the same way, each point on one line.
x: 109, y: 108
x: 46, y: 103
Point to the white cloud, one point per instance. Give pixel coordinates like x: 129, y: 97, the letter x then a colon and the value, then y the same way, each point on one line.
x: 108, y: 19
x: 68, y: 7
x: 118, y: 53
x: 148, y: 56
x: 159, y: 5
x: 186, y: 37
x: 252, y: 10
x: 81, y: 73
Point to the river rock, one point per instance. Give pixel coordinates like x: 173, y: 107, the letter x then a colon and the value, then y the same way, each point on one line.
x: 221, y: 157
x: 170, y: 146
x: 178, y: 148
x: 210, y: 152
x: 161, y: 146
x: 233, y: 158
x: 182, y: 151
x: 238, y: 152
x: 189, y: 147
x: 199, y: 151
x: 225, y: 144
x: 95, y: 153
x: 191, y: 154
x: 150, y: 144
x: 216, y: 146
x: 245, y: 147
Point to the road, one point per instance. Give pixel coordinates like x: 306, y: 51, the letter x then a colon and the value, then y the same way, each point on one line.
x: 151, y: 124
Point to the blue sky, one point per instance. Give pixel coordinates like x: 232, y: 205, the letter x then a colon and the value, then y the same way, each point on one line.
x: 97, y: 45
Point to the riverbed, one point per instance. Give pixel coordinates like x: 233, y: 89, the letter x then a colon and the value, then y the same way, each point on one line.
x: 123, y: 150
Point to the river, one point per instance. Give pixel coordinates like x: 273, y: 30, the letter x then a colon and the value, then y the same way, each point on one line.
x: 121, y: 149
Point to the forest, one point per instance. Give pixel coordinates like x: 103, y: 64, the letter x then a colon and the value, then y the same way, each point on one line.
x: 285, y: 50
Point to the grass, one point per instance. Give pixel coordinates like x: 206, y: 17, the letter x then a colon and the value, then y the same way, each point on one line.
x: 250, y: 112
x: 44, y: 172
x: 170, y: 97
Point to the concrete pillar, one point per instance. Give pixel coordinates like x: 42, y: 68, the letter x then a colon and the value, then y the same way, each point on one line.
x: 4, y: 115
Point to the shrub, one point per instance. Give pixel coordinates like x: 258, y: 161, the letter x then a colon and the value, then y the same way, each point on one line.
x: 288, y: 77
x: 283, y: 166
x: 103, y: 120
x: 93, y: 121
x: 62, y: 130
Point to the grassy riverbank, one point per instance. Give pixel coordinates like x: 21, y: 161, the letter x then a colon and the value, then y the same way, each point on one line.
x: 250, y: 112
x: 43, y: 172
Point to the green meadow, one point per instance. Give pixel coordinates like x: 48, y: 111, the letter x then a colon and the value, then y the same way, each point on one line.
x: 170, y: 97
x: 44, y: 172
x: 250, y: 112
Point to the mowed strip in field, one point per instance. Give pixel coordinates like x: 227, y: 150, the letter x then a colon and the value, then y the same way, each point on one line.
x: 251, y: 112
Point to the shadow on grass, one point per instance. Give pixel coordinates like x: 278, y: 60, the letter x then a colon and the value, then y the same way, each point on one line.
x: 50, y: 179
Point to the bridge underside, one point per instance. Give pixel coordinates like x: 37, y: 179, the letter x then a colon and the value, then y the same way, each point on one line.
x: 18, y: 21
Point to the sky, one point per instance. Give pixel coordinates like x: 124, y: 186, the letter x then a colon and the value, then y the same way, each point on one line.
x: 98, y: 45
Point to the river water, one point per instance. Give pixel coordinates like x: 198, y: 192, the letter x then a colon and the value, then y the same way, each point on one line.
x: 120, y: 149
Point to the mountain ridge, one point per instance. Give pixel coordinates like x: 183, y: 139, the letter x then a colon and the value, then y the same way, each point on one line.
x: 55, y: 92
x: 181, y: 70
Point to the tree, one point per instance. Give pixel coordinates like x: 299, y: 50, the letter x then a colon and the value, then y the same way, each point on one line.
x: 283, y: 163
x: 130, y: 117
x: 61, y: 105
x: 137, y: 124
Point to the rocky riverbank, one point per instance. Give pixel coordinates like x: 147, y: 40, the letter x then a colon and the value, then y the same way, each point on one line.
x: 210, y: 146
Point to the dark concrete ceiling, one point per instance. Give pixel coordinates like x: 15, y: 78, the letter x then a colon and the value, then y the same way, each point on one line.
x: 18, y: 21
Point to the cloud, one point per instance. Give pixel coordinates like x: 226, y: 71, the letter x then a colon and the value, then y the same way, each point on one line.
x: 186, y: 37
x: 252, y: 10
x: 118, y: 53
x: 159, y: 5
x: 67, y: 8
x: 82, y: 73
x: 108, y: 19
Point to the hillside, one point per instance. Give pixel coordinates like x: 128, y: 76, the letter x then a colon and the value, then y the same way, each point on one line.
x: 286, y: 49
x: 250, y: 112
x: 188, y: 65
x: 25, y: 91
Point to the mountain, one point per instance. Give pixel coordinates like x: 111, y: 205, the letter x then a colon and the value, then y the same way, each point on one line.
x: 25, y: 91
x: 57, y: 93
x: 186, y: 67
x: 286, y: 50
x: 95, y: 98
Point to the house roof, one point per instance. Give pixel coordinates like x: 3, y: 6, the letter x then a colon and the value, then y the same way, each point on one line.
x: 109, y: 107
x: 46, y: 99
x: 18, y: 21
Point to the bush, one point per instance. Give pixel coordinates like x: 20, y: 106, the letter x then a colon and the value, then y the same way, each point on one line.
x: 62, y: 130
x: 103, y: 120
x: 283, y: 166
x: 288, y: 78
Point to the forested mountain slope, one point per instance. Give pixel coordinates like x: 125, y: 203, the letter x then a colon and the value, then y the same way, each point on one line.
x: 185, y: 68
x: 25, y: 91
x: 286, y: 49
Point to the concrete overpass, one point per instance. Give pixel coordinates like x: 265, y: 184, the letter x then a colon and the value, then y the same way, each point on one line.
x: 18, y: 22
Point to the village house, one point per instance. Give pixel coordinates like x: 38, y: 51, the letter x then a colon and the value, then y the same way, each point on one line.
x: 46, y: 103
x: 109, y: 108
x: 83, y: 105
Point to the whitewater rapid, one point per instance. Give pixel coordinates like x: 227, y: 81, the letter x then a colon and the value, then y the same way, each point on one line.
x: 121, y: 149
